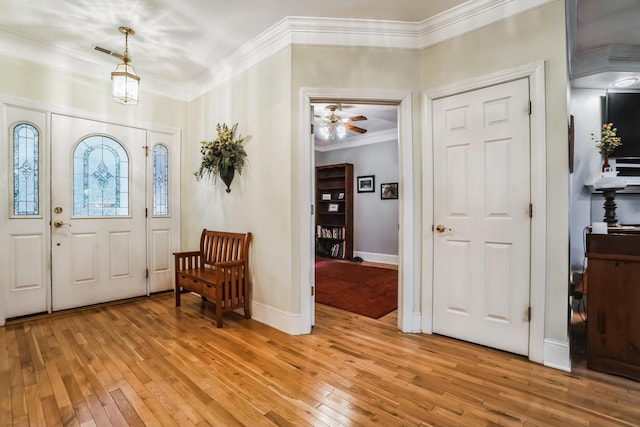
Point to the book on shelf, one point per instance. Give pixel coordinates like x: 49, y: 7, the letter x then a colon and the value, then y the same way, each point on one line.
x: 330, y: 232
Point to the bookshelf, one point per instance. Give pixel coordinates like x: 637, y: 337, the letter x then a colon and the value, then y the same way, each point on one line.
x: 334, y: 211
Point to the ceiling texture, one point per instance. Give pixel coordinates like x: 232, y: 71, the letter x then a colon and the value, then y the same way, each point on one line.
x: 176, y: 42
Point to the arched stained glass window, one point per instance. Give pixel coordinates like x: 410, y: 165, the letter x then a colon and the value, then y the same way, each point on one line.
x: 160, y: 180
x: 26, y: 145
x: 100, y: 178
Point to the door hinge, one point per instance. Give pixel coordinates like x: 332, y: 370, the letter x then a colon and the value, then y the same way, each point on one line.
x: 146, y: 212
x: 146, y: 150
x: 312, y: 129
x: 146, y: 273
x: 529, y: 106
x: 312, y: 210
x: 313, y: 290
x: 530, y: 210
x: 527, y: 314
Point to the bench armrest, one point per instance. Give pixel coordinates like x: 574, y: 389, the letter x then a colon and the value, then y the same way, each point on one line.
x: 226, y: 264
x: 187, y: 260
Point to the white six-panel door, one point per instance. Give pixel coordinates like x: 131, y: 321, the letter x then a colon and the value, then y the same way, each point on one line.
x: 481, y: 215
x: 98, y: 232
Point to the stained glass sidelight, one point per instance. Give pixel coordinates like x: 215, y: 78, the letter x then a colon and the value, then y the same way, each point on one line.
x: 160, y: 180
x: 25, y: 170
x: 100, y: 178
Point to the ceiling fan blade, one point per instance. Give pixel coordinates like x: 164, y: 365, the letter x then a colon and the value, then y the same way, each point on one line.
x: 354, y: 119
x: 355, y: 128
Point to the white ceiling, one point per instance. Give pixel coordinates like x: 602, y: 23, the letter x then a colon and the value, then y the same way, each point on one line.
x: 381, y: 124
x: 604, y: 42
x: 178, y: 40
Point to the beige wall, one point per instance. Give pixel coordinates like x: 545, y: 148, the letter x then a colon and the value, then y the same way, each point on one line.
x: 259, y: 100
x: 59, y: 91
x: 523, y: 39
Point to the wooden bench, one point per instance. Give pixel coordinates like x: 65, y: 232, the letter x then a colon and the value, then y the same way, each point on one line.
x: 218, y: 272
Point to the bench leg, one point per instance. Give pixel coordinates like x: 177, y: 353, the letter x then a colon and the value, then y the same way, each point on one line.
x: 218, y: 316
x: 247, y: 308
x: 177, y: 296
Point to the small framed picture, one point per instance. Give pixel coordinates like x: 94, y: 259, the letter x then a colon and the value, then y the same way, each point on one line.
x: 333, y: 207
x: 366, y: 184
x: 389, y: 191
x: 326, y: 196
x: 340, y: 196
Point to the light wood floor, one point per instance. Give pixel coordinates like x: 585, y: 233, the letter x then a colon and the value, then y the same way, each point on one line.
x: 147, y: 362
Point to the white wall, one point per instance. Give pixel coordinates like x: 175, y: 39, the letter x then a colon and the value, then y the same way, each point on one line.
x: 587, y: 107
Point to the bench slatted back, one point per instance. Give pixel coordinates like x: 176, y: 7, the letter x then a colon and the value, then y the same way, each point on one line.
x: 216, y: 246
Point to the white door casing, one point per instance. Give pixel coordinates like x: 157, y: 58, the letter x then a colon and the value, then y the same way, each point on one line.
x: 481, y: 212
x: 96, y: 259
x: 408, y: 320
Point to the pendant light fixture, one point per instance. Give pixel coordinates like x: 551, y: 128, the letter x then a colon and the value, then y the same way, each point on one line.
x: 125, y: 80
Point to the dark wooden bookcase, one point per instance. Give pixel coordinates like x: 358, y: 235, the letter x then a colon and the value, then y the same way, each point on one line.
x: 334, y: 211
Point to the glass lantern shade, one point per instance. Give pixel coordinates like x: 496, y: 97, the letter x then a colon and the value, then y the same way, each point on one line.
x: 125, y: 84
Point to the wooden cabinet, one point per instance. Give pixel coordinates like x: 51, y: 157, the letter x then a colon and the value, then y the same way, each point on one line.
x: 334, y: 211
x: 613, y: 304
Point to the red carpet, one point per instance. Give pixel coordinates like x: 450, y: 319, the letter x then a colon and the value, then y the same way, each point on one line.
x: 370, y: 291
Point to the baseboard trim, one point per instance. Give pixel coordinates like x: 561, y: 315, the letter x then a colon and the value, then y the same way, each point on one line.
x: 290, y: 323
x: 557, y: 355
x: 373, y: 257
x: 416, y: 323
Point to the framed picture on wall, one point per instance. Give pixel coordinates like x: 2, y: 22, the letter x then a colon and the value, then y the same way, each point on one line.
x: 366, y: 184
x: 389, y: 191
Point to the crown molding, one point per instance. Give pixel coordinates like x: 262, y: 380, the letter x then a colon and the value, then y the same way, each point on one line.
x: 470, y: 16
x: 606, y: 59
x: 289, y: 31
x: 298, y: 30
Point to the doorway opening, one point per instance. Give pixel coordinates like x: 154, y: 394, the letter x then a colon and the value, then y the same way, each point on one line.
x: 357, y: 208
x: 408, y: 321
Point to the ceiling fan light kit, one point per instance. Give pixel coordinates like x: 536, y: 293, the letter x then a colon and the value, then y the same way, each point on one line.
x: 335, y: 127
x: 125, y: 80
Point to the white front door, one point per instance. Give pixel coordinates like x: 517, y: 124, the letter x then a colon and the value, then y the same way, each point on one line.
x: 482, y: 216
x: 98, y: 233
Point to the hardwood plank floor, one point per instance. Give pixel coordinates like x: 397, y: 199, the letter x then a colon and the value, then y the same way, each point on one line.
x: 146, y: 362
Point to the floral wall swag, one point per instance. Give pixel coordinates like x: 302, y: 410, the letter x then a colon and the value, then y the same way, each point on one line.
x: 225, y: 153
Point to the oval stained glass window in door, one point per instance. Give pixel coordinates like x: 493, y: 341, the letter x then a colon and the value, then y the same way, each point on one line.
x: 100, y: 178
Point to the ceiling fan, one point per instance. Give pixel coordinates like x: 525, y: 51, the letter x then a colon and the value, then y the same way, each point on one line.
x: 335, y: 126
